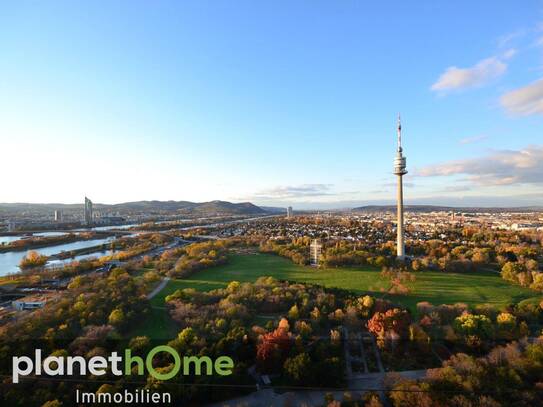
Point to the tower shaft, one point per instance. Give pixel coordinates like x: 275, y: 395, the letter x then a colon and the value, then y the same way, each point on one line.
x: 400, y: 244
x: 400, y: 170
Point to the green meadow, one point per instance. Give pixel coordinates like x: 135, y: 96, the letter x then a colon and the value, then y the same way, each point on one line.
x: 435, y: 287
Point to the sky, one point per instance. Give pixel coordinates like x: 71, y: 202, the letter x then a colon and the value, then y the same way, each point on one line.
x: 274, y: 102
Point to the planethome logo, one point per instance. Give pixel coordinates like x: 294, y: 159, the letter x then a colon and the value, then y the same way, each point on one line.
x: 118, y: 365
x: 98, y: 365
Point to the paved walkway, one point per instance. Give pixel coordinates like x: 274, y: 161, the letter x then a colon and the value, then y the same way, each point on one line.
x: 357, y: 385
x: 158, y: 288
x: 268, y: 398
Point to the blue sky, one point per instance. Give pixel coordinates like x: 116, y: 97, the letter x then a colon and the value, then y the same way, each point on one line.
x: 276, y: 102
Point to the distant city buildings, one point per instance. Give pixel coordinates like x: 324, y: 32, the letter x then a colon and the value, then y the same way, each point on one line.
x: 58, y: 216
x: 315, y: 252
x: 87, y: 218
x: 536, y: 226
x: 400, y: 171
x: 289, y: 212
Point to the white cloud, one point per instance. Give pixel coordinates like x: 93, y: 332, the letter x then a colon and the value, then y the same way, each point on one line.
x: 290, y: 192
x: 455, y: 78
x: 474, y: 139
x: 524, y: 101
x: 510, y: 53
x: 505, y: 167
x: 457, y: 188
x: 507, y: 39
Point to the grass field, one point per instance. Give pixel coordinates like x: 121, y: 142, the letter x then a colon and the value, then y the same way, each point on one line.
x: 158, y: 325
x: 434, y: 287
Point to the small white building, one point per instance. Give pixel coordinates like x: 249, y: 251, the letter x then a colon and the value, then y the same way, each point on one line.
x: 525, y: 226
x: 315, y: 252
x: 30, y: 302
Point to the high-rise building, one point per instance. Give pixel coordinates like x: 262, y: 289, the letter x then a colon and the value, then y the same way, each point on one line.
x: 88, y: 212
x: 400, y: 171
x: 315, y: 251
x: 289, y: 212
x: 58, y: 216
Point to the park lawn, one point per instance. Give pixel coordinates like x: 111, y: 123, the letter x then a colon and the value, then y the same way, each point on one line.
x: 158, y: 325
x: 174, y: 285
x: 434, y: 287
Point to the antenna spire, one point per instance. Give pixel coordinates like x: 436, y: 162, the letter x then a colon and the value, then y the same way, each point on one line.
x: 399, y: 133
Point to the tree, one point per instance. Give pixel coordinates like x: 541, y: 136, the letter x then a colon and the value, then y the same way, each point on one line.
x: 474, y: 328
x: 294, y: 313
x: 392, y: 321
x: 510, y: 271
x: 32, y: 259
x: 304, y: 329
x: 151, y: 276
x: 506, y: 320
x: 274, y: 348
x: 408, y: 393
x: 298, y: 368
x: 116, y: 318
x: 139, y: 344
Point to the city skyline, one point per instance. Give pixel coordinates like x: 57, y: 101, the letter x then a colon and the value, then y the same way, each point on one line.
x: 279, y: 104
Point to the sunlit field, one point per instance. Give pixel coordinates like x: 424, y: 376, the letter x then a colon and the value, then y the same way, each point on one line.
x: 434, y: 287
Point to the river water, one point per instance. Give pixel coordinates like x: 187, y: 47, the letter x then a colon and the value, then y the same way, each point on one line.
x: 9, y: 262
x: 57, y: 263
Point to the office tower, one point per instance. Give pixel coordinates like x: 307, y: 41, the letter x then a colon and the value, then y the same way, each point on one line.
x: 289, y: 212
x: 88, y: 212
x: 58, y: 216
x: 400, y: 171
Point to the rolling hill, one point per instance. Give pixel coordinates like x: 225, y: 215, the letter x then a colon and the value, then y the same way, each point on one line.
x: 149, y: 207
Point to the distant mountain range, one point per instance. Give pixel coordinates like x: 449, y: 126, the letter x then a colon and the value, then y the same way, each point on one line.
x: 219, y: 207
x: 212, y: 207
x: 436, y: 208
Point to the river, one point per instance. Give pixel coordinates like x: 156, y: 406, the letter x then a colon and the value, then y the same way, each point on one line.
x: 57, y: 263
x: 9, y: 262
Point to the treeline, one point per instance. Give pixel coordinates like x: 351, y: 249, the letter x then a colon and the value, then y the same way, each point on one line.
x: 471, y: 249
x: 509, y: 375
x: 34, y: 242
x: 524, y: 272
x: 184, y: 261
x: 480, y: 327
x: 296, y: 250
x: 179, y: 224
